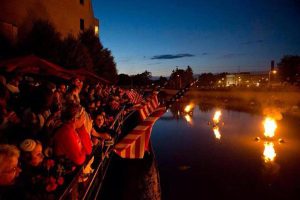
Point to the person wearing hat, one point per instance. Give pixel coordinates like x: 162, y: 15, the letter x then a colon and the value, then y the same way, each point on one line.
x: 32, y: 152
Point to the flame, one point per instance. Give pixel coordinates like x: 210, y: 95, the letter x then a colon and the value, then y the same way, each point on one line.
x: 188, y: 119
x: 217, y: 132
x: 217, y: 115
x: 270, y: 127
x: 269, y: 152
x: 188, y: 108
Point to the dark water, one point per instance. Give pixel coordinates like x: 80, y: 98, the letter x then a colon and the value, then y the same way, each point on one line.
x: 194, y: 164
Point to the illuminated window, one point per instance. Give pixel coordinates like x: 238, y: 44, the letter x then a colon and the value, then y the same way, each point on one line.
x: 96, y: 30
x: 81, y: 2
x: 82, y: 24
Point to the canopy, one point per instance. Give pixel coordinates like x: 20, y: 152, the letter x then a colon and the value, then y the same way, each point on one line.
x: 37, y: 66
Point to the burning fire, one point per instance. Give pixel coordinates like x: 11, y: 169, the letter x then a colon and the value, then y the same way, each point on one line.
x: 270, y: 127
x: 269, y: 152
x: 217, y: 132
x: 188, y: 108
x: 217, y: 115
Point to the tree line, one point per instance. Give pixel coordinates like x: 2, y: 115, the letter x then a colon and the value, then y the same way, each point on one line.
x: 85, y: 51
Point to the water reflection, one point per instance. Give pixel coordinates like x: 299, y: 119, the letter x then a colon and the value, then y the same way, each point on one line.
x: 217, y: 132
x: 188, y: 118
x: 205, y: 107
x: 183, y: 110
x: 226, y: 156
x: 269, y: 152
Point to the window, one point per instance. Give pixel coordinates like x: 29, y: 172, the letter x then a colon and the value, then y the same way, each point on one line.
x: 82, y: 2
x: 96, y: 30
x: 82, y: 24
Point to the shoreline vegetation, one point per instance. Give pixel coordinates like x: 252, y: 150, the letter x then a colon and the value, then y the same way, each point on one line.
x: 263, y: 101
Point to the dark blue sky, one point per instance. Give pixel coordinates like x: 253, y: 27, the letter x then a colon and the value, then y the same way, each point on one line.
x: 210, y: 36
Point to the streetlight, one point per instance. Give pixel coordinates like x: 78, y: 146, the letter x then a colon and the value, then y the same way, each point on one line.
x: 274, y: 72
x: 179, y: 80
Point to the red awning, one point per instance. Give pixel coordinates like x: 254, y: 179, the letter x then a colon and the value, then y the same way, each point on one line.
x: 35, y: 65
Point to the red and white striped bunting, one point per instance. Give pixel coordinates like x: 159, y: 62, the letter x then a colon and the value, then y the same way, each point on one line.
x: 134, y: 145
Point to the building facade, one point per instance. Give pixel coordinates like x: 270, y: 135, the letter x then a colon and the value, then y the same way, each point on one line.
x: 67, y: 16
x: 254, y: 79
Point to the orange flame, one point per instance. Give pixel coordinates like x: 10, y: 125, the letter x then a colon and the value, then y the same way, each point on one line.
x: 270, y: 127
x: 188, y: 108
x: 269, y: 152
x: 217, y: 116
x: 217, y: 132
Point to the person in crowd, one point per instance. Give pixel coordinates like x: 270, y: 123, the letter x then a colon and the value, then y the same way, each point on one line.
x: 76, y: 82
x: 32, y: 152
x: 72, y: 95
x: 59, y: 96
x: 13, y: 84
x: 9, y: 164
x: 113, y: 107
x: 100, y: 128
x: 71, y: 140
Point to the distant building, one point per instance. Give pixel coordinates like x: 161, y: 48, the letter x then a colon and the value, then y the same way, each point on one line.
x: 253, y: 79
x: 68, y: 16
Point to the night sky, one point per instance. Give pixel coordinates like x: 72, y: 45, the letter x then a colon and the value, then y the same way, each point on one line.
x: 210, y: 36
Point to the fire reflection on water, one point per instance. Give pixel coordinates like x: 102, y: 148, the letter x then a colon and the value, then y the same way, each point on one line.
x: 189, y: 119
x: 269, y: 152
x: 217, y: 132
x: 217, y: 116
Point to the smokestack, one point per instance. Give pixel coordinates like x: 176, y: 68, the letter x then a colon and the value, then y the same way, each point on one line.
x: 272, y: 65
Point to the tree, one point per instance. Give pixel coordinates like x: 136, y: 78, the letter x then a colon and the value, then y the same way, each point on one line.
x: 180, y: 77
x: 103, y: 61
x: 162, y: 80
x: 289, y: 68
x: 142, y: 79
x: 74, y: 55
x: 124, y: 79
x: 206, y: 79
x: 43, y: 40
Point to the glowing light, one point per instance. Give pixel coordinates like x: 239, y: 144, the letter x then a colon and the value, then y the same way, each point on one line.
x: 270, y: 127
x: 269, y: 152
x: 217, y: 116
x: 188, y: 119
x: 96, y: 30
x: 188, y: 108
x: 217, y: 132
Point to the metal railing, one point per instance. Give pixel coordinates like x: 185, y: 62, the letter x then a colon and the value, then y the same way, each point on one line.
x: 102, y: 156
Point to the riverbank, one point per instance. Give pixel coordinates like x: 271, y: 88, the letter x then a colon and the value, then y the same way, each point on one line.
x: 279, y: 102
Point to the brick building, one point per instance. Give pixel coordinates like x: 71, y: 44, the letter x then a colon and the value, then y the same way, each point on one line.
x: 68, y: 16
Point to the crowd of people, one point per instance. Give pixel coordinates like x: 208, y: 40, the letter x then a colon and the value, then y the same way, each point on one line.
x: 48, y: 129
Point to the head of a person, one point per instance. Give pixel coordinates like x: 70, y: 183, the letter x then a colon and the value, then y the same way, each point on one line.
x: 92, y: 106
x: 9, y: 164
x: 74, y: 113
x: 15, y: 80
x: 75, y: 90
x: 32, y: 152
x: 62, y: 88
x: 77, y: 82
x: 99, y: 120
x: 98, y: 103
x: 91, y: 91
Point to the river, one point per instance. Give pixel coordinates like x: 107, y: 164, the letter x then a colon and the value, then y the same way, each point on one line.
x: 195, y: 162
